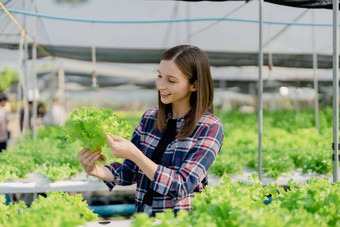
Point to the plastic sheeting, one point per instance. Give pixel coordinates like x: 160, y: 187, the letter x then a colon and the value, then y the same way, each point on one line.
x: 233, y: 40
x: 296, y: 3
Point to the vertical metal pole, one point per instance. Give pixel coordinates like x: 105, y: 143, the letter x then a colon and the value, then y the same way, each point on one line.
x: 297, y: 98
x: 26, y: 123
x: 335, y: 91
x: 34, y: 74
x: 188, y: 23
x: 315, y: 76
x: 61, y: 86
x: 94, y: 60
x: 52, y: 92
x: 20, y: 81
x: 260, y: 91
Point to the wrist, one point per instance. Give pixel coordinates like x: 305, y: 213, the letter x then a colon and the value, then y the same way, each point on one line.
x: 94, y: 172
x: 135, y: 155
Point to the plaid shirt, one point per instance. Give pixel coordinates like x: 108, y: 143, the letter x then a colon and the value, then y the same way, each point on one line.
x: 183, y: 168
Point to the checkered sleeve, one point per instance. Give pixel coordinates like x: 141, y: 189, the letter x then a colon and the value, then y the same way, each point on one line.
x: 124, y: 174
x: 178, y: 184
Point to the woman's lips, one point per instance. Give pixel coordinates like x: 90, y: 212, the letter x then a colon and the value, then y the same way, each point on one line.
x: 164, y: 96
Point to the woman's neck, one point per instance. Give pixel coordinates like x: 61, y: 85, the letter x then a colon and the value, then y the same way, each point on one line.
x: 180, y: 111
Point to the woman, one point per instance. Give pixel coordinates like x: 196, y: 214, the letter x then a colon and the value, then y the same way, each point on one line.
x: 4, y: 135
x: 174, y: 144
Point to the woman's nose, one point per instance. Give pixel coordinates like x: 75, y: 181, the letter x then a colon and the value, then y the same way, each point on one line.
x: 160, y: 84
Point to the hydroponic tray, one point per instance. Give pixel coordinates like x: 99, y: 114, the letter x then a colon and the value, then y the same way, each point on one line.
x: 36, y: 183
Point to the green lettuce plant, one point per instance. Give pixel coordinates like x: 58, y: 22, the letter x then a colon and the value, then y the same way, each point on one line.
x: 7, y: 78
x: 57, y: 209
x: 315, y: 203
x: 88, y: 125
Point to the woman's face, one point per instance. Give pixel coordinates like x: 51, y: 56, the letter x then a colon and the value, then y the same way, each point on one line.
x: 41, y: 110
x: 173, y: 85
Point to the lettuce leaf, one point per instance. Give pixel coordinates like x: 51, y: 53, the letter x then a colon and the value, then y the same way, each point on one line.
x: 88, y: 126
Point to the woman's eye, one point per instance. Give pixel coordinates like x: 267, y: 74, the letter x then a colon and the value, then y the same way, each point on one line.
x: 171, y: 81
x: 159, y: 76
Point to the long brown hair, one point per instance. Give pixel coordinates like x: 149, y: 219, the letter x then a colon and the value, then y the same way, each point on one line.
x: 193, y: 63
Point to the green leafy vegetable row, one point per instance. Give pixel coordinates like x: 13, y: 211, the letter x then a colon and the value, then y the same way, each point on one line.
x: 45, y: 157
x: 289, y: 141
x: 7, y: 78
x: 316, y: 203
x: 57, y: 209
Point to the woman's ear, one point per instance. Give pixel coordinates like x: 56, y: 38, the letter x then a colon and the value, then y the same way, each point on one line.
x: 194, y: 86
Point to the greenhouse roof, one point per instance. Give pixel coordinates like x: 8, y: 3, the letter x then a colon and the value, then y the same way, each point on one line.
x: 139, y: 31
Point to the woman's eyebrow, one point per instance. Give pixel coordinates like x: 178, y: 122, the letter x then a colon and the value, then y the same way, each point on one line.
x: 167, y: 75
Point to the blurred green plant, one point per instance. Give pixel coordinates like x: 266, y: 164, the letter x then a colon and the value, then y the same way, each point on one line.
x: 57, y: 209
x: 290, y: 141
x: 7, y: 78
x: 315, y: 203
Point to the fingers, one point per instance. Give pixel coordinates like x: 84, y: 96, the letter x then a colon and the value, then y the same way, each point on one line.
x: 84, y: 153
x: 110, y: 140
x: 86, y: 156
x: 113, y: 146
x: 91, y: 157
x: 113, y: 137
x: 88, y: 160
x: 117, y: 138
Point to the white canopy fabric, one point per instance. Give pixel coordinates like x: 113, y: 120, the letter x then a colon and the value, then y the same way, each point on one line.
x: 236, y: 33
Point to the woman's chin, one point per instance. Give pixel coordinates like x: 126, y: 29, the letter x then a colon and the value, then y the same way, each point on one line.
x: 165, y: 101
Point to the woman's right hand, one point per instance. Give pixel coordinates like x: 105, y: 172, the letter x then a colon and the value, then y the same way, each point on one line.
x: 88, y: 159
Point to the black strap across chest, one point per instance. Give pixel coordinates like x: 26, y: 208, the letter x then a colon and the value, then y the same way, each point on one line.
x: 168, y: 136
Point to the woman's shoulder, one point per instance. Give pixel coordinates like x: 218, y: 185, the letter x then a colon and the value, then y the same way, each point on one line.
x: 209, y: 119
x: 148, y: 118
x: 150, y: 113
x: 209, y: 125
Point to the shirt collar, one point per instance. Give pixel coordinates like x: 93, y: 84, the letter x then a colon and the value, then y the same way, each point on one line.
x: 180, y: 121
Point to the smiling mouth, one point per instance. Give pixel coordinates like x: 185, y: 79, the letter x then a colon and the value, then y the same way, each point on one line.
x: 164, y: 96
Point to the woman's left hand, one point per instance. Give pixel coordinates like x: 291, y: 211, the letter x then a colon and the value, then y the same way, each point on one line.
x: 121, y: 148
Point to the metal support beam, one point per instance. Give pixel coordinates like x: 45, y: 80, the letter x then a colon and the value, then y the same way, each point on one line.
x: 335, y: 91
x: 260, y: 91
